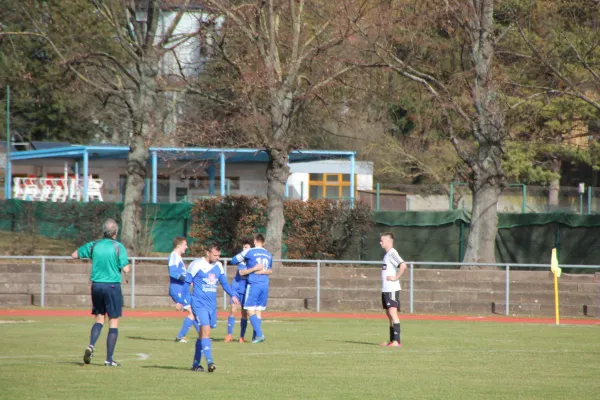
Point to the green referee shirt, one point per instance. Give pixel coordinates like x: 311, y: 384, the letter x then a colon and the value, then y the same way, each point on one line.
x: 106, y: 264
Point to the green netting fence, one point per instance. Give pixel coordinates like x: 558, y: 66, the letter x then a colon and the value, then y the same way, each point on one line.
x: 522, y: 238
x: 421, y: 236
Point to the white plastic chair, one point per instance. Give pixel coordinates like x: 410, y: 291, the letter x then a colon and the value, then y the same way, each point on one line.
x: 59, y: 190
x: 74, y: 190
x: 47, y: 188
x: 18, y: 188
x: 32, y: 191
x: 94, y: 189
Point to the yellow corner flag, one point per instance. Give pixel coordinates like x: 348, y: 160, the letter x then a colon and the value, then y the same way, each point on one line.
x: 556, y: 271
x: 554, y: 264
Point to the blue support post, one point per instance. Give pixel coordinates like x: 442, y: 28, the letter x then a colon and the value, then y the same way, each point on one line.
x: 147, y: 190
x: 589, y: 200
x: 377, y: 197
x: 222, y: 174
x: 154, y: 177
x: 8, y: 177
x: 8, y: 170
x: 352, y: 172
x: 211, y: 178
x: 86, y: 179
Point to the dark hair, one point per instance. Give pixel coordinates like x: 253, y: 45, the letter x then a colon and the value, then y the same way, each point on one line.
x: 259, y: 237
x: 213, y: 246
x: 389, y: 234
x: 178, y: 240
x: 247, y: 242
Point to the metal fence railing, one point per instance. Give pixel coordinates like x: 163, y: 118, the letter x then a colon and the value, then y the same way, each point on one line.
x: 318, y: 263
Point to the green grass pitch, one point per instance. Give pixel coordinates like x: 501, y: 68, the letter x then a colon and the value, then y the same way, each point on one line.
x: 41, y: 358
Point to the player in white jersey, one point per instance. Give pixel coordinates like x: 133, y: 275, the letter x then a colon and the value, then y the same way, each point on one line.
x: 392, y: 269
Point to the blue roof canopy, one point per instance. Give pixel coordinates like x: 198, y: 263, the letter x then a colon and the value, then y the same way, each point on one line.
x: 171, y: 153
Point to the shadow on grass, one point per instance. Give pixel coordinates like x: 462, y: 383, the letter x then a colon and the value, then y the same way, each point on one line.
x: 80, y: 364
x: 167, y: 367
x: 192, y: 339
x: 354, y: 342
x: 150, y: 339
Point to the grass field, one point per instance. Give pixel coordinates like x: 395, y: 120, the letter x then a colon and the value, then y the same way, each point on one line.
x: 40, y: 358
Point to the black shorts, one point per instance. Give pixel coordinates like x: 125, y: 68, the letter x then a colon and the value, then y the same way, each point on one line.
x: 107, y: 298
x: 390, y: 299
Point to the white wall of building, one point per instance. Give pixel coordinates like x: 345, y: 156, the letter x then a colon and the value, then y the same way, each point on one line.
x: 251, y: 176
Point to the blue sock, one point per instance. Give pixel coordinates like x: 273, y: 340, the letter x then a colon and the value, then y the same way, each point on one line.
x: 198, y: 353
x: 243, y: 326
x: 187, y: 324
x: 255, y: 321
x: 207, y: 349
x: 95, y: 334
x: 230, y: 324
x: 111, y: 342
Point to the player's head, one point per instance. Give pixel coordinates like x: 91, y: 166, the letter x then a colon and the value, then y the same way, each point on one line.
x: 110, y: 229
x: 246, y: 244
x: 387, y: 240
x: 213, y: 252
x: 180, y: 244
x: 259, y: 240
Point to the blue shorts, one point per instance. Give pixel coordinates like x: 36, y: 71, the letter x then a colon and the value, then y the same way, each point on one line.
x: 205, y: 317
x: 256, y: 297
x: 182, y: 298
x: 107, y: 298
x: 240, y: 290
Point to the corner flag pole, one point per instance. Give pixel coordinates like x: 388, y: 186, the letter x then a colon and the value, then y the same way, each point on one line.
x: 556, y: 271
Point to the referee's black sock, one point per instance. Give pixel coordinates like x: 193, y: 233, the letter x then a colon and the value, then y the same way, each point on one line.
x: 396, y: 332
x: 111, y: 342
x: 391, y: 333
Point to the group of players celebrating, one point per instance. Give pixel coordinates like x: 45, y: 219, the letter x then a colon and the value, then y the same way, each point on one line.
x: 248, y: 291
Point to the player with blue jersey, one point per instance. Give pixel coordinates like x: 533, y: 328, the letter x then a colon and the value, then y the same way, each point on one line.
x: 204, y: 273
x: 259, y: 264
x: 179, y: 290
x: 238, y: 284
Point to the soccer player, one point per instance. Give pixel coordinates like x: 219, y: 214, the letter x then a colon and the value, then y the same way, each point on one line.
x: 179, y: 290
x: 109, y: 259
x: 205, y: 273
x: 259, y: 265
x: 239, y: 286
x: 392, y: 269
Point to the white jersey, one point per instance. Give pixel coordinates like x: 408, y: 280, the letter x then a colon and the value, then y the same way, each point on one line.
x: 391, y: 262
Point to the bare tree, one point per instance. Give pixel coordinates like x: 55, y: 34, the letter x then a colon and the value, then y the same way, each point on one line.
x: 131, y: 78
x: 280, y: 53
x: 448, y: 48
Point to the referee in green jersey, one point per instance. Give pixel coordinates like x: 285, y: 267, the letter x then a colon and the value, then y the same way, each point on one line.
x: 109, y: 259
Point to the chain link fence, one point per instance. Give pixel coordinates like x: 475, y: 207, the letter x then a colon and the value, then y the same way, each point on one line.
x: 515, y: 198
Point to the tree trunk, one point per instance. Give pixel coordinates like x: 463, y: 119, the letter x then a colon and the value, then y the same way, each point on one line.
x: 132, y: 212
x: 277, y: 175
x: 553, y: 204
x: 488, y: 128
x: 146, y: 121
x: 481, y: 243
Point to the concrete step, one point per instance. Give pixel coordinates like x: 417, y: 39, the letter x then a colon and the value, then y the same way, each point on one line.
x: 15, y: 300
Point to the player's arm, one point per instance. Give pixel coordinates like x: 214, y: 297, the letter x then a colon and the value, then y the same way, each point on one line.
x: 238, y: 258
x: 248, y: 271
x: 83, y: 251
x: 227, y: 288
x: 264, y: 272
x: 399, y: 264
x: 176, y: 269
x: 123, y: 260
